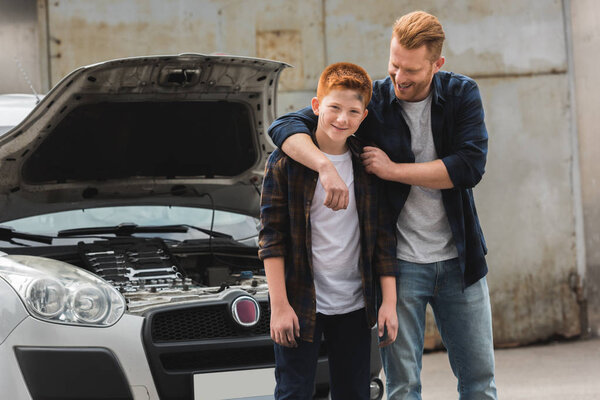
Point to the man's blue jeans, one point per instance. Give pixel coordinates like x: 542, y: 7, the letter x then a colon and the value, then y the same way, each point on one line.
x: 464, y: 321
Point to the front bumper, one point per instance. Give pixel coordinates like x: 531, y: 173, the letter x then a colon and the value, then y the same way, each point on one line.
x: 149, y: 357
x: 93, y: 350
x: 42, y: 361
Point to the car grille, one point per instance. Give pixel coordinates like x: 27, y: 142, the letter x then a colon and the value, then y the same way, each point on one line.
x: 206, y: 322
x: 181, y: 341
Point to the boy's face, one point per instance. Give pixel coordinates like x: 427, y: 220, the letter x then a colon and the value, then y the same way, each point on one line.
x: 411, y: 71
x: 340, y: 113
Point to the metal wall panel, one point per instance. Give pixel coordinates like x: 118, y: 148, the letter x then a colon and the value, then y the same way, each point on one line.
x: 19, y: 41
x: 483, y: 37
x: 525, y: 204
x: 86, y: 32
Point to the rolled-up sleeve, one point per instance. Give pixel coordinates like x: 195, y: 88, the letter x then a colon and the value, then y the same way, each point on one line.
x: 466, y: 163
x: 303, y: 121
x: 274, y: 215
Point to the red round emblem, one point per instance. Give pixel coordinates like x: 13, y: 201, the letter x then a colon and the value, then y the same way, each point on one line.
x: 245, y: 311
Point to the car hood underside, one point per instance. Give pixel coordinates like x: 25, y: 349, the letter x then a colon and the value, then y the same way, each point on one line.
x: 184, y: 130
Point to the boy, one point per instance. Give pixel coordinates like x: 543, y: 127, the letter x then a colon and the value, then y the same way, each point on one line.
x: 319, y: 262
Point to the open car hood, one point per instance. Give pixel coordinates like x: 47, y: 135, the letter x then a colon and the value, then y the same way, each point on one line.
x: 187, y: 130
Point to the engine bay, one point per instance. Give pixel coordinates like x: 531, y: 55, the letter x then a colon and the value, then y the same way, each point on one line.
x: 150, y: 273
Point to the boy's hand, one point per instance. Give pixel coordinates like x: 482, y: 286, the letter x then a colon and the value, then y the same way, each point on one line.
x: 377, y: 162
x: 336, y: 190
x: 284, y: 326
x: 387, y: 320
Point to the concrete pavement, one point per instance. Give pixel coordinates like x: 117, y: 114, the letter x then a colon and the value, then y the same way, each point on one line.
x: 568, y: 370
x: 555, y: 371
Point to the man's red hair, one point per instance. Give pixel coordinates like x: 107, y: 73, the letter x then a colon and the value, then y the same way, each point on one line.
x: 419, y: 28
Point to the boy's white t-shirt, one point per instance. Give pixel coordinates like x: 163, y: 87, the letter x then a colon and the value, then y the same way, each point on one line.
x: 336, y: 247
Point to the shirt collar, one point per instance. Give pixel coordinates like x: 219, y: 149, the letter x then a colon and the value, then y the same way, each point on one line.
x: 355, y: 144
x: 391, y: 94
x: 436, y: 87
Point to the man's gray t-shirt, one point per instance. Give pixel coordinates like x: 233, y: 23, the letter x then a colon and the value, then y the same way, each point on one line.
x: 423, y: 231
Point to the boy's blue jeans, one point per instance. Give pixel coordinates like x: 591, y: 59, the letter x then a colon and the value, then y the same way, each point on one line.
x: 348, y: 348
x: 464, y: 322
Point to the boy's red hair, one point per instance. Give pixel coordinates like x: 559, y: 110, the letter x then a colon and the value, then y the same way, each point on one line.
x: 344, y: 75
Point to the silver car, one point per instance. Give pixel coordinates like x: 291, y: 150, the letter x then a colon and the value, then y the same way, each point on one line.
x: 129, y: 199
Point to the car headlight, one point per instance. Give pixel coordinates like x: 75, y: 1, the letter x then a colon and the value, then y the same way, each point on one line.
x: 59, y: 292
x: 46, y: 297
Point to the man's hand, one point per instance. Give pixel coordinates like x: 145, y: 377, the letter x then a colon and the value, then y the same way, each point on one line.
x: 377, y: 162
x: 430, y: 174
x: 336, y: 191
x: 284, y: 326
x: 388, y: 320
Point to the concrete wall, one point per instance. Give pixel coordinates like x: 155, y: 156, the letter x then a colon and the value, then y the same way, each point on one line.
x: 22, y: 39
x: 585, y: 17
x: 530, y: 198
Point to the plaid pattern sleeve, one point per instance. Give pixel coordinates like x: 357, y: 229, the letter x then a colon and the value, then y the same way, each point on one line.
x: 284, y: 206
x: 274, y: 215
x: 385, y: 262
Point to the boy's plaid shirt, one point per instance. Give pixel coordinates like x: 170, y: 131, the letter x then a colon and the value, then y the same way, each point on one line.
x: 287, y: 192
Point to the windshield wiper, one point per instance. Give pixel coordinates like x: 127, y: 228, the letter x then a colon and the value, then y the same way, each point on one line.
x: 128, y: 229
x: 209, y: 232
x: 8, y: 234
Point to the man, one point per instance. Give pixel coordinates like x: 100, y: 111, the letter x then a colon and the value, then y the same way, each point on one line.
x: 431, y: 149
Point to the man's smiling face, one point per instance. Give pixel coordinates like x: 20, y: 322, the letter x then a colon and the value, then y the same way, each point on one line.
x: 412, y: 71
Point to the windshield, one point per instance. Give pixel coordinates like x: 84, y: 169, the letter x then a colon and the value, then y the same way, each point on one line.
x: 241, y: 227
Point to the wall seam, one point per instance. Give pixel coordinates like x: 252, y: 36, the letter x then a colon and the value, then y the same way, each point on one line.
x: 44, y: 43
x: 575, y: 164
x: 519, y: 74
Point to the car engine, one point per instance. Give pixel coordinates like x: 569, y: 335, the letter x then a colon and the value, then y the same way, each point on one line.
x: 151, y: 274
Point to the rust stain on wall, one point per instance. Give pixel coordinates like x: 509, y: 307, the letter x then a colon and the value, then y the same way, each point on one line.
x: 527, y: 310
x: 283, y: 45
x: 534, y: 308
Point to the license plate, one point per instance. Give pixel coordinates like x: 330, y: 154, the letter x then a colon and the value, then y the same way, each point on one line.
x: 254, y: 384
